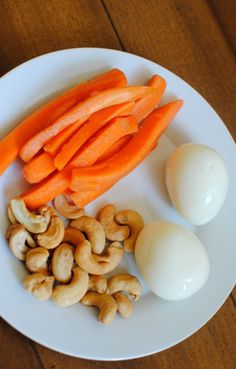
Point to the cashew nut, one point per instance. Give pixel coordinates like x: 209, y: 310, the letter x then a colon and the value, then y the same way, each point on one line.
x: 66, y: 295
x: 36, y: 260
x: 67, y: 210
x: 105, y: 303
x: 97, y: 283
x: 29, y: 240
x: 96, y: 264
x: 10, y: 214
x: 73, y: 236
x: 35, y: 223
x: 40, y: 285
x: 125, y: 283
x: 62, y: 262
x: 124, y: 306
x: 113, y: 231
x: 93, y: 230
x: 17, y: 236
x: 135, y: 222
x: 53, y: 236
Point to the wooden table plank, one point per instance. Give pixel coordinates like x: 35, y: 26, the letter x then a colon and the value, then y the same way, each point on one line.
x: 184, y: 37
x: 31, y: 28
x: 225, y: 11
x: 205, y: 349
x: 16, y: 351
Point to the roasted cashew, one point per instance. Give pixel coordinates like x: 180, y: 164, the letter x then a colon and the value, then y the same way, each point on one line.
x: 66, y: 295
x: 53, y: 236
x: 29, y: 239
x: 125, y: 283
x: 17, y: 238
x: 34, y: 223
x: 62, y: 262
x: 96, y: 264
x: 105, y: 303
x: 73, y: 236
x: 113, y: 231
x: 97, y: 283
x: 40, y: 285
x: 124, y: 306
x: 135, y: 222
x: 67, y: 210
x: 10, y: 214
x: 36, y: 260
x: 93, y: 230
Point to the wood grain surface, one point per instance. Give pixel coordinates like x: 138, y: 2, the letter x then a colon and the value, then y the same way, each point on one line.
x: 193, y: 38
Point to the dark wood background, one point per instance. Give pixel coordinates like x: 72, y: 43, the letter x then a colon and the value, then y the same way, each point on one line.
x: 193, y: 38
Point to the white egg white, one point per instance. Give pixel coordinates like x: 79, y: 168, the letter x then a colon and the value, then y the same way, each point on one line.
x: 171, y: 259
x: 197, y: 182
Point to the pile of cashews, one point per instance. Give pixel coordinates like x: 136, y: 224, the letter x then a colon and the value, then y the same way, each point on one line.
x: 67, y: 264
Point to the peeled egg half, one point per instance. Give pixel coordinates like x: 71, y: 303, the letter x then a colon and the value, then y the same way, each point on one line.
x: 197, y: 182
x: 171, y: 259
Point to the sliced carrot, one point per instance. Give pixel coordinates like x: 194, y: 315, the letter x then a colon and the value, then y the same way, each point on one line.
x: 104, y: 139
x: 11, y: 144
x: 131, y: 155
x: 94, y: 124
x: 81, y: 112
x: 115, y: 148
x: 47, y: 190
x: 110, y: 171
x: 145, y: 106
x: 39, y: 168
x: 83, y: 198
x: 156, y: 81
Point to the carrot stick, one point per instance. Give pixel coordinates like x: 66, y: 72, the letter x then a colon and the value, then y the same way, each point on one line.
x: 47, y: 190
x: 96, y: 122
x: 11, y: 144
x: 83, y: 198
x: 103, y: 140
x: 117, y: 146
x: 145, y: 106
x: 131, y: 155
x: 81, y: 112
x: 39, y: 168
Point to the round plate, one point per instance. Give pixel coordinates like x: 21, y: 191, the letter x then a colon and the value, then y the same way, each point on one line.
x: 155, y: 324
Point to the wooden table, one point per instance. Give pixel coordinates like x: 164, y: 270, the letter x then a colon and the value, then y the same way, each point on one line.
x: 193, y: 38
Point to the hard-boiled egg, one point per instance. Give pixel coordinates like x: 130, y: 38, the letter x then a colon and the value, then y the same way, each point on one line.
x: 197, y: 182
x: 172, y: 260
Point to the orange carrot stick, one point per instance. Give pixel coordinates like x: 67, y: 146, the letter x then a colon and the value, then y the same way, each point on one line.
x: 81, y: 112
x: 130, y: 156
x: 83, y: 198
x: 103, y: 140
x: 115, y: 148
x: 11, y: 144
x: 47, y: 190
x: 94, y: 124
x: 145, y: 106
x: 39, y: 168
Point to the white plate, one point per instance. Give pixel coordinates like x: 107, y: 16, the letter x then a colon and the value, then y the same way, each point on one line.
x: 155, y: 324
